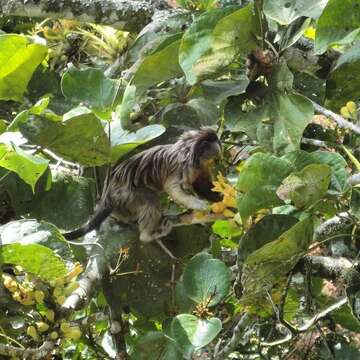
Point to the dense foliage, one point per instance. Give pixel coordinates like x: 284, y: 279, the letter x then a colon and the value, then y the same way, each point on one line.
x: 271, y: 271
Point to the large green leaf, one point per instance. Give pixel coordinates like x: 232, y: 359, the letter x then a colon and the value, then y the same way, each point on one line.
x: 123, y: 141
x: 338, y: 24
x: 197, y: 41
x: 256, y: 199
x: 28, y: 232
x: 196, y: 112
x: 92, y: 88
x: 80, y: 137
x: 286, y: 11
x: 68, y: 204
x: 290, y: 115
x: 269, y: 265
x: 127, y: 106
x: 237, y: 120
x: 261, y: 170
x: 206, y: 280
x: 217, y: 91
x: 34, y: 258
x: 343, y: 83
x: 28, y: 167
x: 192, y: 333
x: 159, y: 66
x: 306, y: 187
x: 258, y: 181
x: 19, y: 57
x: 268, y: 229
x: 235, y: 35
x: 339, y: 173
x: 154, y: 345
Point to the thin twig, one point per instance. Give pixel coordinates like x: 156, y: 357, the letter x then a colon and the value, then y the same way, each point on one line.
x: 307, y: 325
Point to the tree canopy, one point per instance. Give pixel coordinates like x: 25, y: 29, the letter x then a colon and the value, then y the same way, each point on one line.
x: 269, y: 272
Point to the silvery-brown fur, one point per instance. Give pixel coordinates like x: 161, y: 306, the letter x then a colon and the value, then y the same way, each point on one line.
x: 132, y: 194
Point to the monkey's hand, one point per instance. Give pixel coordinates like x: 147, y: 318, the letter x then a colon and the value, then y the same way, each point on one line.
x: 187, y: 200
x: 198, y: 204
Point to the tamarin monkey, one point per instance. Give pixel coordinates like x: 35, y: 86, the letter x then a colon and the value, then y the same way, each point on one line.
x: 180, y: 169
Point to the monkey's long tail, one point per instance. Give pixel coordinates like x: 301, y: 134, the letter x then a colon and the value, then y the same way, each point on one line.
x: 94, y: 223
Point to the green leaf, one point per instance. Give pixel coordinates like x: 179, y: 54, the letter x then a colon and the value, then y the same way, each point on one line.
x: 80, y: 137
x: 196, y: 112
x: 343, y: 83
x: 217, y: 91
x: 339, y: 173
x: 333, y: 29
x: 256, y: 199
x: 235, y: 35
x: 127, y: 106
x: 262, y: 169
x: 45, y: 264
x: 286, y: 11
x: 281, y: 78
x: 258, y: 180
x: 237, y: 120
x: 123, y: 141
x: 183, y: 302
x: 154, y: 345
x: 270, y: 264
x: 355, y: 202
x: 91, y: 87
x: 290, y: 114
x: 159, y: 66
x: 68, y: 204
x: 192, y: 333
x: 40, y: 108
x: 268, y: 229
x: 28, y: 167
x: 33, y: 232
x: 197, y: 41
x: 306, y: 187
x: 19, y: 57
x: 226, y: 229
x: 206, y: 281
x: 346, y: 319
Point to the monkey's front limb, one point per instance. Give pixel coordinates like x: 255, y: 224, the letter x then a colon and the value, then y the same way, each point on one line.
x: 174, y: 189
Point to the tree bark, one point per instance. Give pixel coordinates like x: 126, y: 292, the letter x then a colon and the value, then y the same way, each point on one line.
x: 130, y: 15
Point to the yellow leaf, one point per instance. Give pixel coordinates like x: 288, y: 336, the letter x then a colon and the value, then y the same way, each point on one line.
x: 351, y: 106
x: 344, y: 111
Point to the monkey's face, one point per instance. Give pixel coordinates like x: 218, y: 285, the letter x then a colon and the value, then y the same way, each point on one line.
x: 209, y: 151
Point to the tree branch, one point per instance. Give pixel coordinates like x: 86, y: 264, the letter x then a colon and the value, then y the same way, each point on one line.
x: 326, y: 267
x: 336, y: 117
x: 131, y: 15
x: 332, y: 226
x: 95, y: 270
x: 28, y: 353
x: 237, y: 335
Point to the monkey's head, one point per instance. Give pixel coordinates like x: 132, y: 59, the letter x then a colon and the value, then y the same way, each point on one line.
x: 205, y: 145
